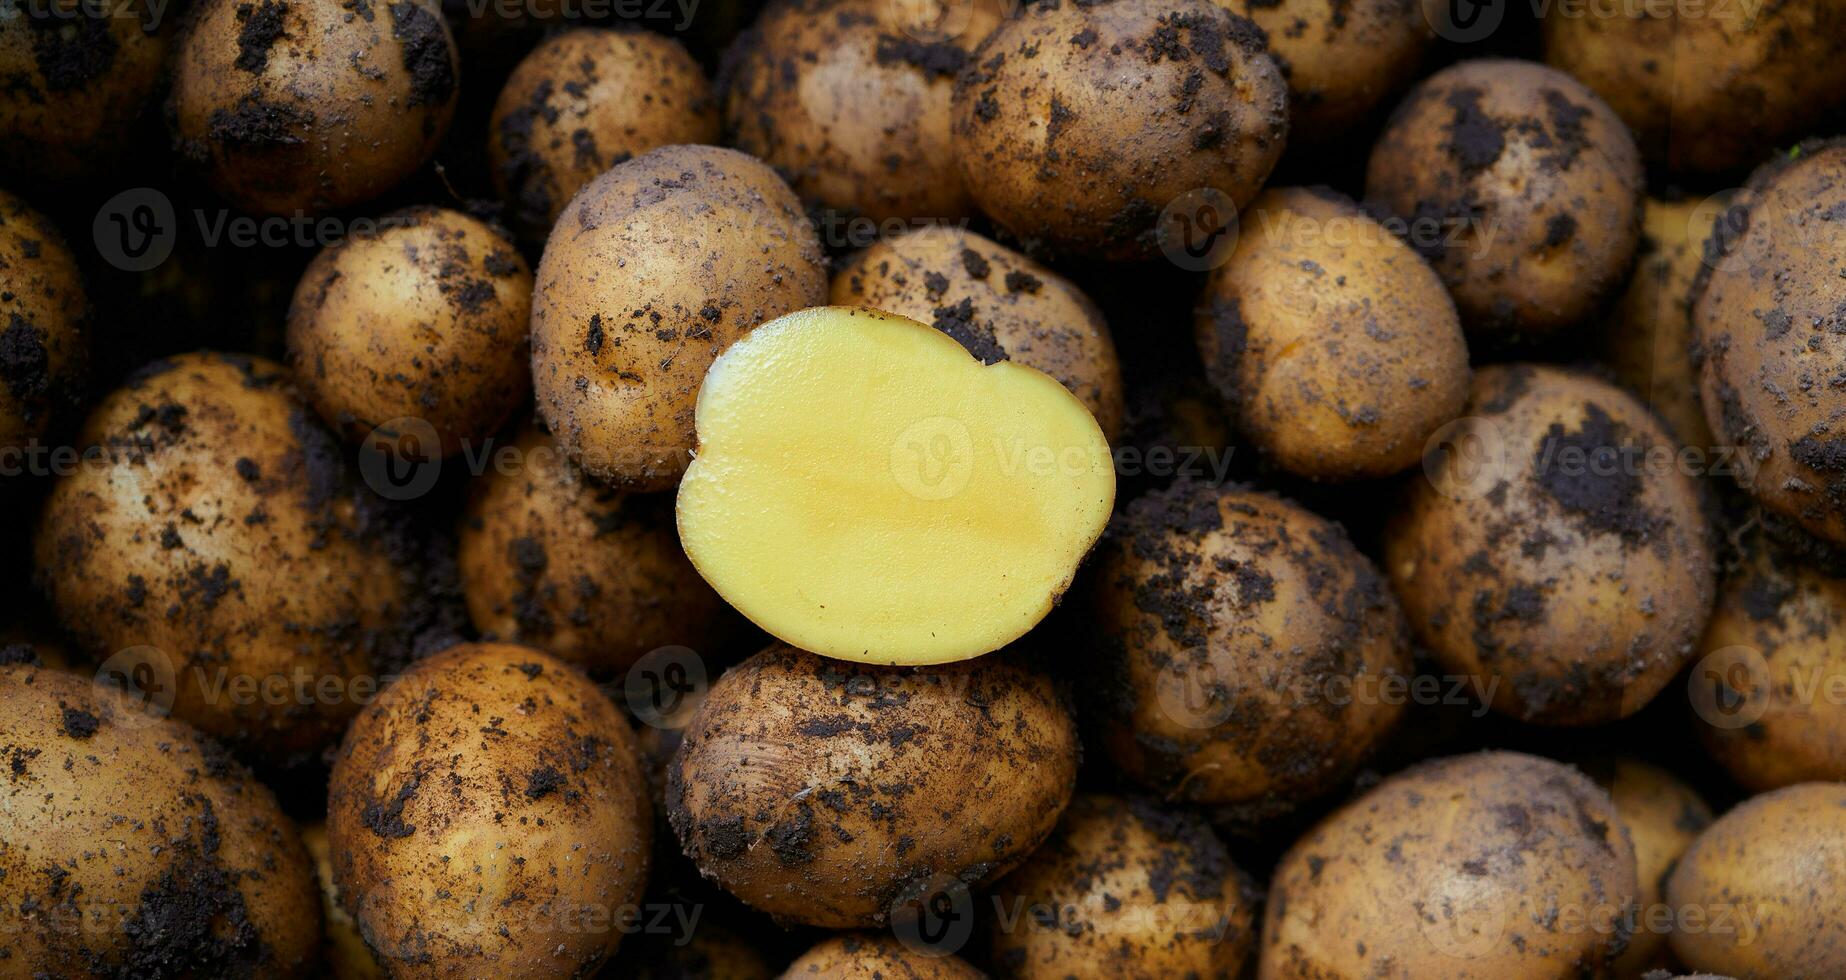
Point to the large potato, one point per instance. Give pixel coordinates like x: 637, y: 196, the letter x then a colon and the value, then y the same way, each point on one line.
x: 828, y: 793
x: 488, y: 817
x: 133, y: 846
x: 44, y: 342
x: 658, y: 266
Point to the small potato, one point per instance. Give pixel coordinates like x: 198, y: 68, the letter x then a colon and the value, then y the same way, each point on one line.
x: 307, y: 105
x: 1242, y: 645
x: 552, y: 559
x: 1076, y: 124
x: 1769, y: 310
x: 133, y: 846
x: 1335, y: 347
x: 1707, y: 88
x: 875, y: 956
x: 1125, y: 888
x: 850, y: 99
x: 44, y: 342
x: 79, y: 76
x: 1552, y: 551
x: 487, y: 816
x: 1771, y: 871
x: 426, y: 319
x: 584, y: 101
x: 344, y: 950
x: 827, y: 793
x: 1649, y: 340
x: 659, y: 265
x: 1494, y: 865
x: 1662, y: 816
x: 995, y: 302
x: 1342, y: 59
x: 1520, y: 186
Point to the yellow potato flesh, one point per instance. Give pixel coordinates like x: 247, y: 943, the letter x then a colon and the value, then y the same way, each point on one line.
x: 867, y: 490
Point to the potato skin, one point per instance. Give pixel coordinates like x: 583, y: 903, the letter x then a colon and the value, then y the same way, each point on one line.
x: 177, y: 860
x: 658, y: 266
x: 44, y: 342
x: 1663, y: 816
x: 1149, y: 100
x: 1342, y: 59
x: 1555, y: 548
x: 218, y: 523
x: 1125, y: 888
x: 583, y: 101
x: 552, y: 559
x: 1457, y: 867
x: 425, y: 319
x: 1766, y: 307
x: 79, y: 76
x: 1771, y: 866
x: 875, y: 956
x: 1016, y: 309
x: 1225, y: 618
x: 1543, y: 179
x: 492, y: 793
x: 1709, y: 89
x: 823, y: 793
x: 290, y: 105
x: 850, y: 99
x: 1334, y: 345
x: 1649, y: 340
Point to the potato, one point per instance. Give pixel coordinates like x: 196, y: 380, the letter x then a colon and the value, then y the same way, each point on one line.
x: 1520, y: 186
x: 551, y: 559
x: 44, y: 341
x: 344, y: 951
x: 1245, y: 648
x: 1341, y: 59
x: 1493, y: 865
x: 79, y: 76
x: 487, y: 816
x: 583, y: 101
x: 998, y: 303
x: 216, y: 539
x: 941, y: 505
x: 875, y: 956
x: 1125, y: 888
x: 134, y: 846
x: 850, y: 99
x: 1662, y: 816
x: 1765, y: 881
x: 1076, y: 124
x: 1765, y: 308
x: 1335, y: 347
x: 662, y: 263
x: 1770, y: 684
x: 425, y: 319
x: 1648, y: 337
x: 288, y: 106
x: 1556, y: 551
x: 1707, y: 88
x: 826, y: 794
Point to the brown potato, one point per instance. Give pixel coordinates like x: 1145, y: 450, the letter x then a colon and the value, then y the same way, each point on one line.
x: 1554, y: 549
x: 1125, y: 888
x: 1335, y: 347
x: 1342, y: 59
x: 1663, y: 816
x: 828, y: 793
x: 1768, y: 308
x: 875, y: 956
x: 659, y: 265
x: 582, y: 102
x: 426, y: 319
x: 1520, y: 186
x: 44, y: 342
x: 488, y: 816
x: 1076, y: 124
x: 293, y: 106
x: 997, y: 303
x: 850, y: 99
x: 1245, y: 646
x: 79, y: 76
x: 135, y: 846
x: 1494, y: 865
x: 552, y: 559
x: 1765, y: 882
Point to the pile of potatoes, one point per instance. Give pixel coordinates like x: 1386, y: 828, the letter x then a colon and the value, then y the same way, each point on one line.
x: 1476, y: 401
